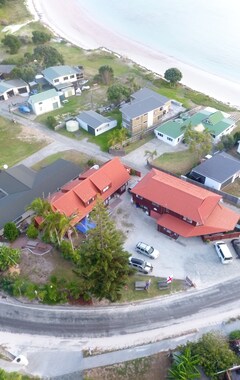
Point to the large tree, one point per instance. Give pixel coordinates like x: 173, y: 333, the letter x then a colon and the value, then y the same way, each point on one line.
x: 199, y: 142
x: 103, y: 263
x: 39, y: 37
x: 48, y: 56
x: 118, y: 92
x: 8, y: 257
x: 12, y: 42
x: 173, y: 75
x: 106, y: 74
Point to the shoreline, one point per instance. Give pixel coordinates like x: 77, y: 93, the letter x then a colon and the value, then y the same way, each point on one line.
x: 74, y: 24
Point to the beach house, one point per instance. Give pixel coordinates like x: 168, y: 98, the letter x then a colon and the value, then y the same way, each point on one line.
x: 144, y: 110
x: 218, y: 123
x: 181, y: 208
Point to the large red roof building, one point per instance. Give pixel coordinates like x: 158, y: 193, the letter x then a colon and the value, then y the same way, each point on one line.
x: 181, y: 208
x: 79, y: 196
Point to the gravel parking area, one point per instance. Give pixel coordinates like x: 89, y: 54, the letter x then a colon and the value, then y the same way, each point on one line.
x: 184, y: 257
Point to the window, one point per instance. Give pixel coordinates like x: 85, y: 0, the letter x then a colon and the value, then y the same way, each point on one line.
x: 56, y: 80
x: 160, y: 134
x: 187, y: 219
x: 65, y: 78
x: 155, y: 204
x: 169, y: 138
x: 161, y: 108
x: 72, y: 76
x: 139, y: 197
x: 39, y: 103
x: 90, y: 200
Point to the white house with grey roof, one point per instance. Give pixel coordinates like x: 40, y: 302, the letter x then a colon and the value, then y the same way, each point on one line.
x: 218, y: 171
x: 144, y: 110
x: 44, y: 101
x: 56, y: 75
x: 95, y: 123
x: 13, y: 87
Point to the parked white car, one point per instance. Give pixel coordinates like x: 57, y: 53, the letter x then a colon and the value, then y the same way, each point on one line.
x: 147, y: 250
x: 223, y: 252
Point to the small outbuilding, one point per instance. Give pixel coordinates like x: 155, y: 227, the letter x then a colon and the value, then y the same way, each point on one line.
x: 95, y: 123
x: 44, y: 102
x: 13, y: 87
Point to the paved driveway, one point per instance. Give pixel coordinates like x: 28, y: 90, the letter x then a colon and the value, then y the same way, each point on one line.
x: 184, y: 257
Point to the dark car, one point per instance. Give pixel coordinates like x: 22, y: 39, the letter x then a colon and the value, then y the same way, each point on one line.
x: 236, y: 246
x: 140, y: 265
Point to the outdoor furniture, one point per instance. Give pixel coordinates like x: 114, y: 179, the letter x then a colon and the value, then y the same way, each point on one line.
x: 163, y: 285
x: 189, y: 282
x: 140, y: 285
x: 32, y: 243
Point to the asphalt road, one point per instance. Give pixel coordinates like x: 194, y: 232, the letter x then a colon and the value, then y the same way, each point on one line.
x: 117, y: 319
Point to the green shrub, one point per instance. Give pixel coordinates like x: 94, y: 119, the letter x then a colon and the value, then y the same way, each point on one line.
x: 10, y: 231
x: 32, y: 232
x: 51, y: 122
x: 234, y: 335
x: 90, y: 162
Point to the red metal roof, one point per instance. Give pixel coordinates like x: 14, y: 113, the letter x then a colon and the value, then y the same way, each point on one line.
x: 177, y: 195
x: 75, y: 195
x: 221, y: 219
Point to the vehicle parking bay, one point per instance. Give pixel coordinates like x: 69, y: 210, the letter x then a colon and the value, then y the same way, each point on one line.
x: 183, y: 257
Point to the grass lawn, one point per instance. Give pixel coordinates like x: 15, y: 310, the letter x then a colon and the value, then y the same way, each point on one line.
x: 177, y: 162
x: 14, y: 13
x: 233, y: 188
x: 137, y: 144
x: 13, y: 146
x: 78, y: 158
x: 129, y: 294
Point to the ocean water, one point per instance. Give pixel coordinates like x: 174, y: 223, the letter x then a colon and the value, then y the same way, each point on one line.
x: 202, y: 33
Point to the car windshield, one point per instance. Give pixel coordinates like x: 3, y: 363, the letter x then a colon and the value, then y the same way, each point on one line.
x: 150, y: 250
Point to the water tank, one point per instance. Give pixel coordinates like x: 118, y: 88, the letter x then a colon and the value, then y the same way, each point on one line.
x: 72, y: 125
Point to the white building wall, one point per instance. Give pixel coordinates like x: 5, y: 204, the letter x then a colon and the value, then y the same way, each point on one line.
x: 167, y: 139
x: 224, y: 133
x: 45, y: 105
x: 64, y: 79
x: 238, y: 149
x: 150, y: 119
x: 211, y: 183
x: 83, y: 124
x: 105, y: 127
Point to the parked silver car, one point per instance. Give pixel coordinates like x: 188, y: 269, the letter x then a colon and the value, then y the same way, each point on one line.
x: 147, y: 250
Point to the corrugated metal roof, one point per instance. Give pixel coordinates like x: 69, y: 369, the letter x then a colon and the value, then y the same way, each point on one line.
x: 54, y: 72
x: 92, y: 118
x: 220, y: 167
x: 43, y: 96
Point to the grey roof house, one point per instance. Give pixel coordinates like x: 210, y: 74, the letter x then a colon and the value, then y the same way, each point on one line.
x: 217, y: 171
x: 20, y: 185
x: 13, y: 87
x: 5, y: 70
x: 95, y: 123
x: 144, y: 110
x: 56, y: 75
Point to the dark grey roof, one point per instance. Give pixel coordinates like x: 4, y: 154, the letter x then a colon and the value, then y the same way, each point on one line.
x: 144, y: 100
x: 92, y: 118
x: 6, y: 69
x: 19, y: 194
x: 220, y: 167
x: 137, y: 108
x: 145, y: 93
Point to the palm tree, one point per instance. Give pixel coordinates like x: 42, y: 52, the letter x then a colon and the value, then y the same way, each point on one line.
x: 150, y: 154
x: 184, y: 367
x: 40, y: 206
x: 118, y: 137
x: 65, y: 226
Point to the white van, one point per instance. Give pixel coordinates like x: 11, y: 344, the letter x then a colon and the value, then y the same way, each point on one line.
x: 223, y: 252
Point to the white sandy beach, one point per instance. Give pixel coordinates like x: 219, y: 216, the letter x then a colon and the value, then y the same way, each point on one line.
x: 74, y: 24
